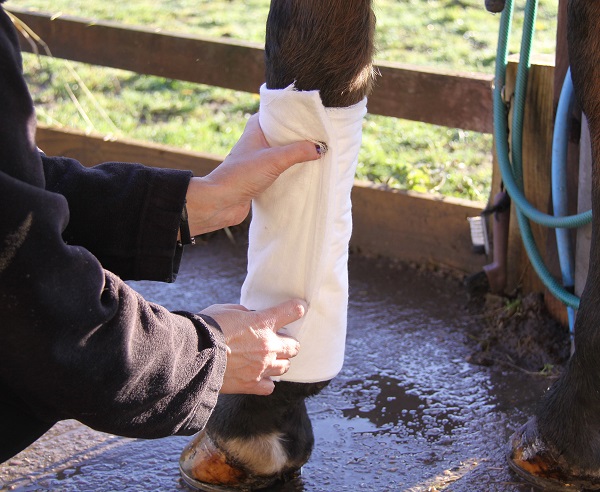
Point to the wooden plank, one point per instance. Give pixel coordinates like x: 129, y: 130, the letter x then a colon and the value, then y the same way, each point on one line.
x: 515, y: 250
x: 395, y: 224
x: 414, y: 227
x: 453, y: 99
x: 237, y: 65
x: 458, y: 100
x: 537, y: 158
x: 94, y: 149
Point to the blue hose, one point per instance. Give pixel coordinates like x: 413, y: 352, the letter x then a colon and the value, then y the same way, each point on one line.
x: 560, y: 143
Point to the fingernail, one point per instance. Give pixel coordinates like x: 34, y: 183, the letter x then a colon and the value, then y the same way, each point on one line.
x: 321, y: 148
x: 300, y: 309
x: 304, y: 305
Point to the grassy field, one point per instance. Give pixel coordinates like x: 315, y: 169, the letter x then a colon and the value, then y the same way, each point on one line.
x: 451, y: 34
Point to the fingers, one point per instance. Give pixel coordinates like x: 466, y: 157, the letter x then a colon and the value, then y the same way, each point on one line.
x: 264, y: 387
x: 289, y: 347
x: 256, y: 351
x: 253, y: 123
x: 280, y: 316
x: 277, y: 368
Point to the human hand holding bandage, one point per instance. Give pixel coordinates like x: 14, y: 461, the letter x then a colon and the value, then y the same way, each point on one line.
x: 255, y: 351
x: 223, y: 198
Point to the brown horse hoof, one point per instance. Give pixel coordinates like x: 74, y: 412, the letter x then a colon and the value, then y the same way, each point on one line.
x: 541, y: 465
x: 204, y: 466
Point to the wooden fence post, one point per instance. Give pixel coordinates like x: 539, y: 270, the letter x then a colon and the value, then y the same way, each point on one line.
x: 538, y: 128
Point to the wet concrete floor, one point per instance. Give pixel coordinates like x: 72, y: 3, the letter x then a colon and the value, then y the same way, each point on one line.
x: 407, y: 412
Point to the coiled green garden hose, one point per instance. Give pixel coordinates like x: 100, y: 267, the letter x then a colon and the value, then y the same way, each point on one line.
x: 512, y: 174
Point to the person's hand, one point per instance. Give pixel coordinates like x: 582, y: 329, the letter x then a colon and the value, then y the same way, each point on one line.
x: 255, y: 351
x: 223, y: 198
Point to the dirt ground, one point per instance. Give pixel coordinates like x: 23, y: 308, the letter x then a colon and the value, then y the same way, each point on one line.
x: 519, y: 332
x: 433, y: 385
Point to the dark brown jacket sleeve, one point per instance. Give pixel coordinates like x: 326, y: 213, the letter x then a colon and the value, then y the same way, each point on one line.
x: 75, y: 340
x: 127, y: 215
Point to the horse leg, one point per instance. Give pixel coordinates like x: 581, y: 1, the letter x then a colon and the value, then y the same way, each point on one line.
x: 560, y: 446
x: 252, y: 441
x: 324, y: 45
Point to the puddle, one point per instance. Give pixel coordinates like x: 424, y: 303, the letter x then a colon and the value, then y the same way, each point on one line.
x: 398, y: 406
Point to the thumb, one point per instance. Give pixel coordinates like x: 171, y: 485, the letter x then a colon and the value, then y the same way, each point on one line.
x: 288, y: 155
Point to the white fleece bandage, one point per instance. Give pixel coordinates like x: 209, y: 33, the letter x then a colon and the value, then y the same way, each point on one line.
x: 301, y: 227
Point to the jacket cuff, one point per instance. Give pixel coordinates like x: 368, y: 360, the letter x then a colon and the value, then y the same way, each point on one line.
x: 159, y: 252
x: 209, y: 335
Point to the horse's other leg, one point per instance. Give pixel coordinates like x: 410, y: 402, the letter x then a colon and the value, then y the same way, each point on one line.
x: 560, y: 446
x: 251, y: 441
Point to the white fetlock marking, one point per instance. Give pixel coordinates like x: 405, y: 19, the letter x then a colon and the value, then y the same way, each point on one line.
x: 263, y: 455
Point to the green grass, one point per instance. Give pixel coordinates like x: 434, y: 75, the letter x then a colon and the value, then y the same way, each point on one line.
x: 449, y: 34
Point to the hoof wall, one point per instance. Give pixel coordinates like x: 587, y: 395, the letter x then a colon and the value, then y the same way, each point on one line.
x: 203, y: 466
x: 538, y: 464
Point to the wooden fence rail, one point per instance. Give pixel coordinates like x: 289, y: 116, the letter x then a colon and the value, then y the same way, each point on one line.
x: 453, y: 99
x: 391, y: 223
